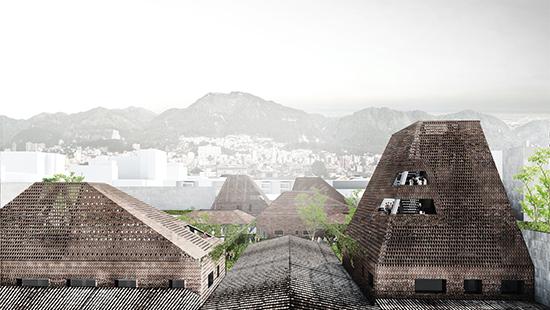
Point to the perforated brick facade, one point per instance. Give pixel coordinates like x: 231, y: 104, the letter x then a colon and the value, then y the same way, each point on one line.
x: 63, y: 231
x: 472, y: 235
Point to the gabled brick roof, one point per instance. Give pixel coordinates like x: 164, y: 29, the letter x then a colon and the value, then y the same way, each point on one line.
x: 82, y: 221
x: 287, y: 273
x: 317, y: 184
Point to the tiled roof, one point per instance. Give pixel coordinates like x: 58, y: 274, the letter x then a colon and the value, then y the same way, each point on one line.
x: 317, y: 183
x: 240, y: 192
x: 287, y: 273
x: 416, y: 304
x: 93, y: 298
x: 169, y: 227
x: 222, y: 217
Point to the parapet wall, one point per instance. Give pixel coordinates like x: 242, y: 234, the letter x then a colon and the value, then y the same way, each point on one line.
x: 538, y: 244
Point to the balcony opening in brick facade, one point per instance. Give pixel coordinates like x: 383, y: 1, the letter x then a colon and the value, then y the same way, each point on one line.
x: 407, y: 206
x: 411, y: 178
x: 512, y: 287
x: 434, y: 286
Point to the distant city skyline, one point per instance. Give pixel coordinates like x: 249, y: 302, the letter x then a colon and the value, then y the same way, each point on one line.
x: 318, y: 56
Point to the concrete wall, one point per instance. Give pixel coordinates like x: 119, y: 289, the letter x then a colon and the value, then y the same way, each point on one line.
x: 539, y: 249
x: 173, y: 198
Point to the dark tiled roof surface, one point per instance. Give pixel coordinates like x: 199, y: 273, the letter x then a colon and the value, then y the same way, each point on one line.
x: 93, y: 298
x: 223, y: 216
x: 415, y: 304
x: 287, y: 273
x: 317, y: 183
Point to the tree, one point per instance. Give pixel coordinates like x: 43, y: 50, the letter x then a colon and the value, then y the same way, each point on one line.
x: 60, y: 177
x: 236, y: 238
x: 311, y: 210
x: 318, y: 168
x: 535, y: 179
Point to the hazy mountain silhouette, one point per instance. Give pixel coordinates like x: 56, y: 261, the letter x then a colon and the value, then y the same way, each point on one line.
x: 220, y: 114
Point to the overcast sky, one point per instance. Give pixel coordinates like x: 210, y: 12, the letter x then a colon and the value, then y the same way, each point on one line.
x: 322, y: 56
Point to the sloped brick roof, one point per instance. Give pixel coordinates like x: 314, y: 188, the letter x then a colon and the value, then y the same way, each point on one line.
x: 74, y: 221
x: 419, y: 304
x: 318, y: 184
x: 287, y: 273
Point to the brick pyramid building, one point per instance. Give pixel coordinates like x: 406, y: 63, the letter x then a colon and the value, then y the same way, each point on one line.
x: 240, y: 192
x: 91, y: 234
x: 435, y: 221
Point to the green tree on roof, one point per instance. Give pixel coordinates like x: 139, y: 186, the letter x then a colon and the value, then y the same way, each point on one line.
x: 60, y: 177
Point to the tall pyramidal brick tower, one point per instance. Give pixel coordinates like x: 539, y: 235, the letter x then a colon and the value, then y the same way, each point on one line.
x: 435, y: 221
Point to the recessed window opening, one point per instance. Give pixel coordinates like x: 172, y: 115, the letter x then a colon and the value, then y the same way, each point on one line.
x: 411, y: 178
x: 210, y: 279
x: 434, y: 286
x: 416, y: 206
x: 472, y: 286
x: 177, y: 283
x: 278, y: 233
x: 512, y: 287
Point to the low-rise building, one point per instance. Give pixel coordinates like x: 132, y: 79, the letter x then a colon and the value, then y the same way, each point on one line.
x: 92, y: 234
x: 240, y: 192
x: 282, y: 217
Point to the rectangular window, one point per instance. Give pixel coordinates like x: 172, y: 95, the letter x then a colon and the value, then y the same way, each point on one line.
x: 33, y: 282
x: 81, y: 283
x: 177, y: 283
x: 411, y: 178
x: 278, y: 233
x: 370, y: 280
x: 512, y: 287
x: 430, y: 286
x: 126, y: 283
x: 472, y: 286
x: 210, y: 279
x: 217, y: 271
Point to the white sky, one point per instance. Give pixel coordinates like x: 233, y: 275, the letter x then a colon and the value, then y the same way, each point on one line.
x: 321, y: 56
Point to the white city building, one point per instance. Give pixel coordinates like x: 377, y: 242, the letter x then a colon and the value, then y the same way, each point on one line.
x: 30, y: 166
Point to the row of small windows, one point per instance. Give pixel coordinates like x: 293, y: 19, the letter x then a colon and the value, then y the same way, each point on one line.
x: 42, y: 282
x: 471, y: 286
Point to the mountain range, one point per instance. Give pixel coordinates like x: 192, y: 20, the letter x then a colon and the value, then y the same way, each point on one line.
x: 221, y: 114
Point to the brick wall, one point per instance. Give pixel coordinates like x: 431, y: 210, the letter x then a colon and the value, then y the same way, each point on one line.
x: 539, y: 248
